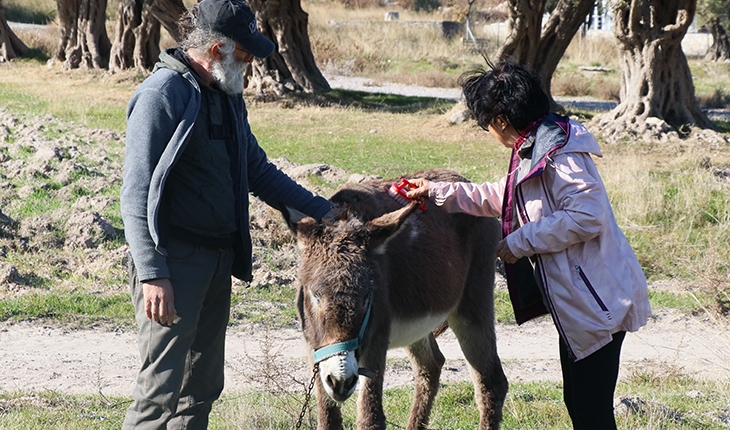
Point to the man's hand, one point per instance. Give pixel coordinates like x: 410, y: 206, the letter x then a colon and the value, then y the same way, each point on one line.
x: 333, y: 213
x: 504, y: 253
x: 159, y: 301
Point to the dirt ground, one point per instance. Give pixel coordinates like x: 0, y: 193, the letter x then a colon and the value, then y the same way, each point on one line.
x: 38, y: 357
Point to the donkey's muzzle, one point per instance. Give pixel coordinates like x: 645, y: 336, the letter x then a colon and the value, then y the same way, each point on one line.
x: 341, y: 389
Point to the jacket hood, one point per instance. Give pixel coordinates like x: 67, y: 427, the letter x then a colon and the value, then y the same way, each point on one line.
x: 173, y: 59
x: 581, y: 140
x: 558, y: 134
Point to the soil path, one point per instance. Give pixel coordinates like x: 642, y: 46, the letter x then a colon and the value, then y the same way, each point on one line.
x: 36, y: 357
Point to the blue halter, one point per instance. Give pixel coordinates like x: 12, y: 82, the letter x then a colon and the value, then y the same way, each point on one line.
x: 346, y: 346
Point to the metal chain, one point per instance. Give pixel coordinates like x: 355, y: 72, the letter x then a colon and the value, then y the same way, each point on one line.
x: 308, y: 395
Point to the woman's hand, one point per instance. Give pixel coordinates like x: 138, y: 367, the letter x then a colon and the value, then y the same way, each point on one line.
x: 420, y: 192
x: 504, y: 253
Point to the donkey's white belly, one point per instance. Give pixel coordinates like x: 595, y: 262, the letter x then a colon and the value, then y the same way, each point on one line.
x: 405, y: 332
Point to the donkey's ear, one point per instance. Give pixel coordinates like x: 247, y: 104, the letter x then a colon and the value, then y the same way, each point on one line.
x: 384, y: 228
x: 292, y: 217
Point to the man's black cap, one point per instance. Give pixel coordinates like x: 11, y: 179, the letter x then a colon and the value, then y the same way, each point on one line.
x: 235, y: 20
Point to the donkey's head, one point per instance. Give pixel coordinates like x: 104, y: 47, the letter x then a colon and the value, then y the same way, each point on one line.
x: 339, y: 275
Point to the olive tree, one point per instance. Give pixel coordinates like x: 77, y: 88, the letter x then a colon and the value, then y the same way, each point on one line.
x: 137, y: 35
x: 292, y: 65
x: 84, y: 41
x: 657, y: 93
x: 10, y: 45
x: 715, y: 14
x: 541, y: 47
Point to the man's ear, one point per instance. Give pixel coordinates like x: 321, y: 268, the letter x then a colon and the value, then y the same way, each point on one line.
x: 215, y: 51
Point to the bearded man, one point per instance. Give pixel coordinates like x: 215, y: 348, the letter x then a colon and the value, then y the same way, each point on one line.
x: 190, y: 162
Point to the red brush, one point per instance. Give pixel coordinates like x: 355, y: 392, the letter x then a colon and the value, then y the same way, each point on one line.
x: 398, y: 192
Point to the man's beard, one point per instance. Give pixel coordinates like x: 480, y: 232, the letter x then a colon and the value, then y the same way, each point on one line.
x: 228, y: 74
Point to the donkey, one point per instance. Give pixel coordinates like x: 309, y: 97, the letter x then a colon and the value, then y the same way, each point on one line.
x: 382, y: 275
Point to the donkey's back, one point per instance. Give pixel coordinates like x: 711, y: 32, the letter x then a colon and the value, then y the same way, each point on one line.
x: 438, y: 262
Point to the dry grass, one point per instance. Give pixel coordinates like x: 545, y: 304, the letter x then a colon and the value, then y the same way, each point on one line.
x: 69, y: 94
x: 45, y: 40
x: 597, y: 48
x: 410, y: 50
x: 719, y: 99
x: 675, y: 211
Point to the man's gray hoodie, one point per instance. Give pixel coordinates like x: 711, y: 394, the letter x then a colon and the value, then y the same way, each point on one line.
x: 160, y: 117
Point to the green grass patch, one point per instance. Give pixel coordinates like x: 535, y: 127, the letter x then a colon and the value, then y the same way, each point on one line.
x: 534, y: 406
x: 52, y: 410
x: 84, y: 309
x: 79, y: 97
x: 377, y: 141
x: 394, y: 103
x: 723, y: 126
x: 662, y: 399
x: 21, y: 101
x: 684, y: 302
x: 272, y: 305
x: 503, y: 311
x: 39, y: 202
x: 30, y: 11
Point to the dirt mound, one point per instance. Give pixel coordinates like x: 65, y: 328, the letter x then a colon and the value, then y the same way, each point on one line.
x: 60, y: 224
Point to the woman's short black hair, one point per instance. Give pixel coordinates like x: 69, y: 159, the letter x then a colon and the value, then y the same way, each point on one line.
x: 507, y: 88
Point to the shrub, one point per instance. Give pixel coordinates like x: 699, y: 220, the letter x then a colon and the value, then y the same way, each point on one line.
x: 719, y: 99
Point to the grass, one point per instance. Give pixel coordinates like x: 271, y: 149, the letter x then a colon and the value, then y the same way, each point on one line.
x: 270, y: 305
x: 30, y: 11
x: 86, y: 97
x: 660, y: 400
x: 73, y: 308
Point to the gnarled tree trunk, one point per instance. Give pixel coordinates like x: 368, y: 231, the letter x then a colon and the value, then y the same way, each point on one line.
x: 558, y: 32
x: 720, y: 49
x: 10, y: 46
x: 168, y: 12
x: 525, y: 24
x: 84, y: 41
x: 657, y: 93
x: 292, y: 65
x: 540, y: 47
x: 137, y: 35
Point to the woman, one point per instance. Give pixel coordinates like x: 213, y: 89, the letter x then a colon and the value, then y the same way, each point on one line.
x: 564, y: 254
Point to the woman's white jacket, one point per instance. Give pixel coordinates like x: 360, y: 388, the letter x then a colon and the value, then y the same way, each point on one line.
x: 587, y: 273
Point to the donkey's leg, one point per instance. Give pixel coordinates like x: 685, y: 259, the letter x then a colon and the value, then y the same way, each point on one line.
x: 329, y: 416
x: 427, y: 361
x: 370, y: 415
x: 473, y: 324
x: 478, y: 343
